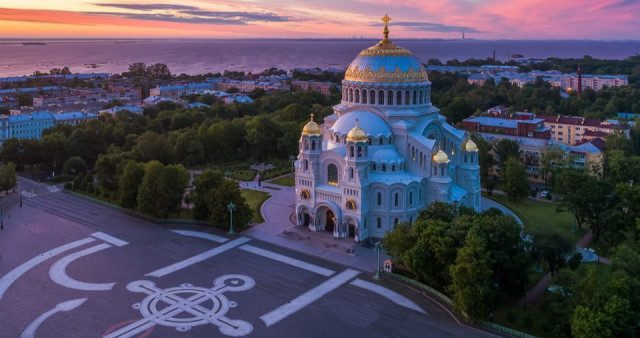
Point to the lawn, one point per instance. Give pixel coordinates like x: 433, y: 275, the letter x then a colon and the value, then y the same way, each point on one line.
x: 254, y: 200
x: 285, y: 181
x: 540, y: 216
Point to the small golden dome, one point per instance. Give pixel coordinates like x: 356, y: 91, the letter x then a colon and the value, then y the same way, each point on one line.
x: 440, y: 157
x: 311, y: 128
x: 357, y: 134
x: 469, y: 145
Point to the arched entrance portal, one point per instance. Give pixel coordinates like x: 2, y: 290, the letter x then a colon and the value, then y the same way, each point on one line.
x: 330, y: 220
x: 352, y: 230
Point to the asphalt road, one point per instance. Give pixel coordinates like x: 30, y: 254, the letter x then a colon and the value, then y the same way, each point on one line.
x: 72, y: 268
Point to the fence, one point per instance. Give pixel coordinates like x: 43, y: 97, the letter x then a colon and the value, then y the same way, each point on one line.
x: 448, y: 300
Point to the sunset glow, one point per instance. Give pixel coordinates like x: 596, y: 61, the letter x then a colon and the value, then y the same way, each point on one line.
x: 479, y: 19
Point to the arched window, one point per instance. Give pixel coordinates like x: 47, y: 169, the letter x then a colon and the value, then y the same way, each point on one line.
x: 395, y: 221
x: 337, y: 138
x: 390, y: 98
x: 465, y: 158
x: 351, y: 204
x: 373, y: 166
x: 381, y: 141
x: 381, y: 97
x: 351, y: 173
x: 364, y: 223
x: 364, y: 96
x: 399, y: 98
x: 304, y: 194
x: 379, y: 198
x: 384, y: 167
x: 435, y: 171
x: 372, y: 93
x: 441, y: 171
x: 350, y: 95
x: 379, y: 223
x: 421, y: 95
x: 332, y: 174
x: 420, y: 195
x: 313, y: 145
x: 410, y: 197
x: 396, y: 200
x: 344, y: 94
x: 393, y: 167
x: 415, y: 97
x: 357, y: 95
x: 351, y: 151
x: 306, y: 144
x: 472, y: 159
x: 370, y: 141
x: 359, y: 151
x: 306, y: 165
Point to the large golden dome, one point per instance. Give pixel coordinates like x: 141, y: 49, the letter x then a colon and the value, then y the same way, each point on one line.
x: 311, y: 128
x: 386, y: 62
x: 357, y: 134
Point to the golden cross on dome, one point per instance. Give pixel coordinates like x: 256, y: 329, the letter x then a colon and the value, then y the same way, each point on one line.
x: 356, y: 122
x: 311, y: 116
x: 386, y: 20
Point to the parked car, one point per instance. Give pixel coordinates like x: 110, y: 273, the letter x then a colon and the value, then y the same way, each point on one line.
x: 544, y: 194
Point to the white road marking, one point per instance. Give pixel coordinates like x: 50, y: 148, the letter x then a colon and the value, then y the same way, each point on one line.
x: 58, y: 272
x: 203, y: 235
x: 287, y: 260
x: 30, y: 331
x: 308, y: 297
x: 109, y: 239
x: 198, y: 258
x: 7, y: 280
x: 172, y: 307
x: 389, y: 294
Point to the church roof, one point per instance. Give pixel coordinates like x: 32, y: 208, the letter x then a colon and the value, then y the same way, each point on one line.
x: 440, y: 157
x: 372, y: 124
x: 386, y: 62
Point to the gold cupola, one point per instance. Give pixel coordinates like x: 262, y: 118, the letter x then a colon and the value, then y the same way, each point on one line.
x: 469, y: 145
x: 357, y: 134
x: 311, y: 128
x: 386, y: 62
x: 440, y: 157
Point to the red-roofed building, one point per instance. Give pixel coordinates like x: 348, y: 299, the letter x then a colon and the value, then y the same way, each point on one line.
x: 571, y: 129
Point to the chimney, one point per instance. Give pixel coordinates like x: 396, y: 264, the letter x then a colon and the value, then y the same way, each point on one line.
x: 579, y: 79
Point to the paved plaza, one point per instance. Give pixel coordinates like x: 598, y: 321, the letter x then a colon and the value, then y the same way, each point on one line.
x: 70, y: 267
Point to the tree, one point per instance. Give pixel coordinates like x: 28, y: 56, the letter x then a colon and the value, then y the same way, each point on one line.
x: 75, y: 165
x: 485, y: 158
x: 146, y: 199
x: 506, y: 149
x: 217, y: 201
x: 158, y: 71
x: 550, y: 160
x: 152, y: 146
x: 204, y: 184
x: 471, y: 288
x: 551, y: 247
x: 8, y: 178
x: 398, y: 241
x: 170, y: 188
x: 138, y: 69
x: 438, y: 210
x: 517, y: 186
x: 129, y: 183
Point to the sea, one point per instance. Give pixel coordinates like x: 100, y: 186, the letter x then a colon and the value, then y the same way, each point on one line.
x: 254, y: 55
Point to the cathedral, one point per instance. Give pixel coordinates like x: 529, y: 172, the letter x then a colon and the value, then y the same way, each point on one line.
x: 384, y: 154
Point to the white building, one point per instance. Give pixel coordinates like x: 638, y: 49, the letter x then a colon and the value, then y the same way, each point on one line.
x: 384, y: 154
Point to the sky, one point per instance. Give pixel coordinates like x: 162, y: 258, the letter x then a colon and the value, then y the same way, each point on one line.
x: 479, y: 19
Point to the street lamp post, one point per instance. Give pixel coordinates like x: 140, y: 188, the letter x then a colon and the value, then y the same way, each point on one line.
x: 231, y: 208
x: 1, y: 215
x: 20, y: 193
x: 292, y: 159
x: 378, y: 247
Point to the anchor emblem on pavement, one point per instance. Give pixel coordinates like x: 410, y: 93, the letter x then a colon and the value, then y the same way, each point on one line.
x: 186, y: 306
